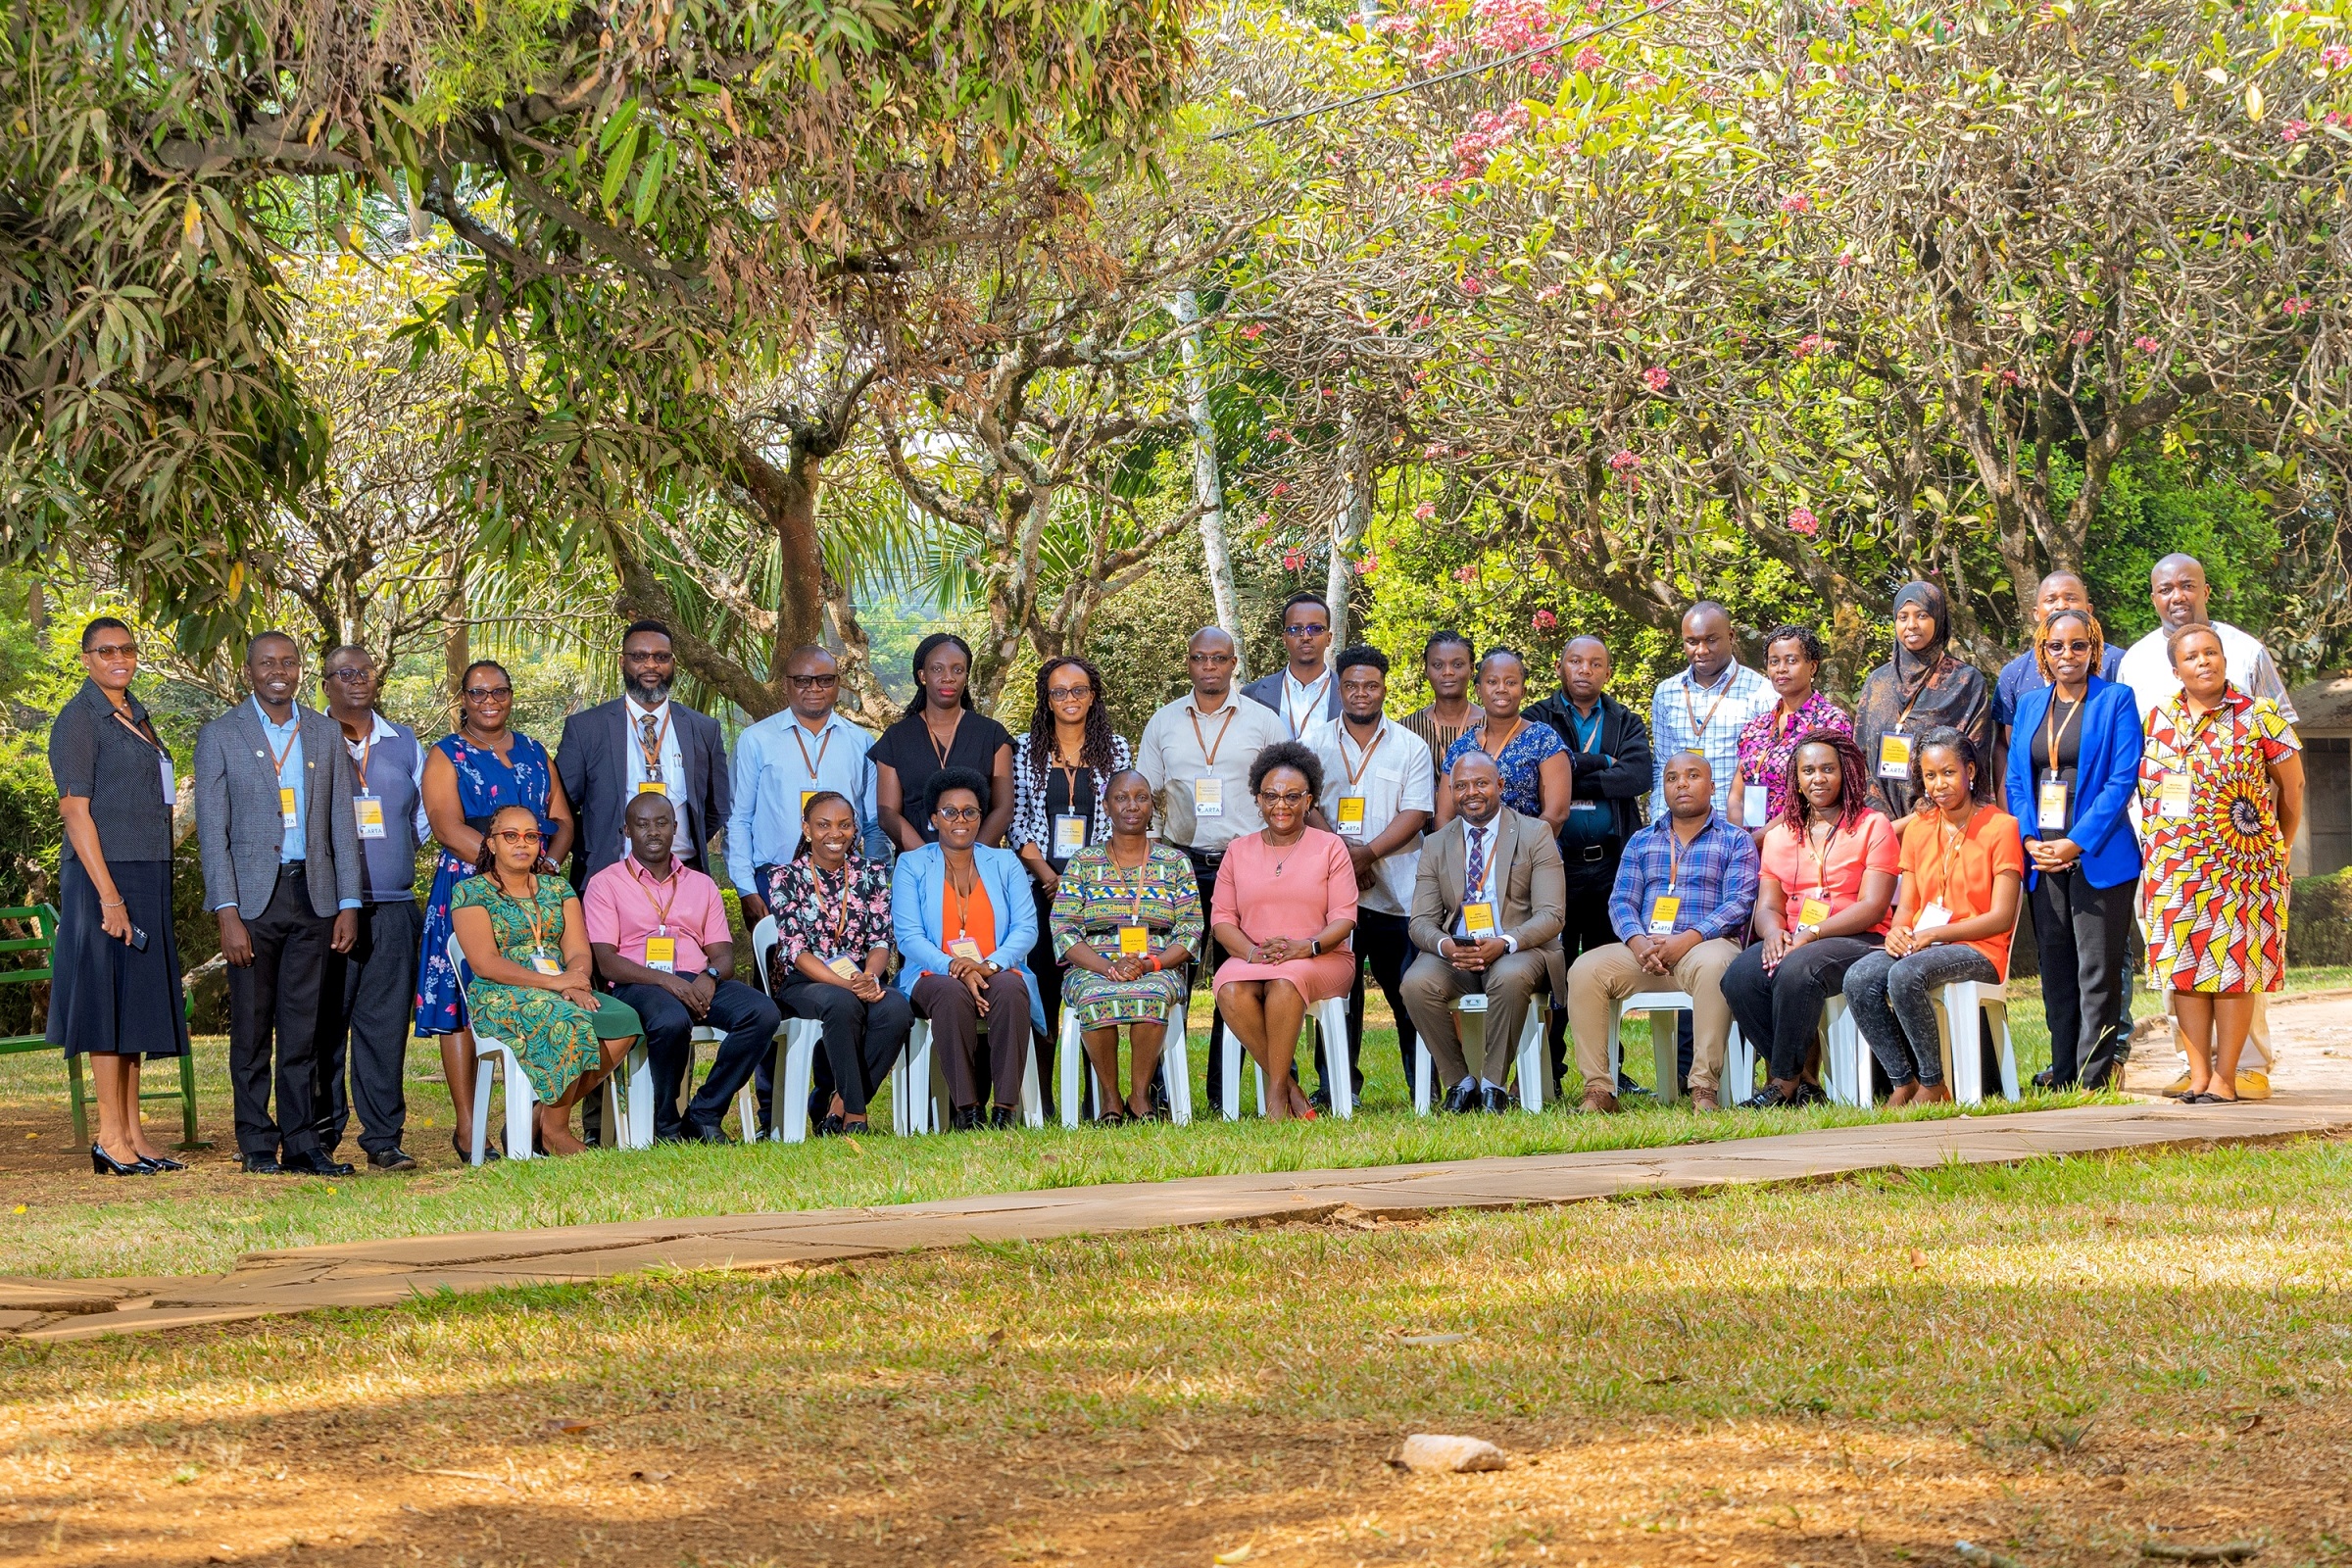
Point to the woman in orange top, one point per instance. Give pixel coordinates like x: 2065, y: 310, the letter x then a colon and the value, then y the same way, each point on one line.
x: 1962, y: 867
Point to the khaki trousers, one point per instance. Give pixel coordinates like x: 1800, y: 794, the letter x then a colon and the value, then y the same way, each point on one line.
x: 1430, y: 988
x: 1606, y: 976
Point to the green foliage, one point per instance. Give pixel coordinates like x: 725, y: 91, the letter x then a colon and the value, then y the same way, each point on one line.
x: 2156, y: 506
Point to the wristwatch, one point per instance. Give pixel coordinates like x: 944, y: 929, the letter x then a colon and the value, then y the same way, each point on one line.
x: 1314, y: 946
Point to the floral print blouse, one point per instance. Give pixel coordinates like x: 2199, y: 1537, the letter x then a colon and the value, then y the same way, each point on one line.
x: 830, y: 913
x: 1769, y: 740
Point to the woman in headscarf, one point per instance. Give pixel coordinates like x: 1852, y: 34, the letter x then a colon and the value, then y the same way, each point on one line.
x: 1924, y: 687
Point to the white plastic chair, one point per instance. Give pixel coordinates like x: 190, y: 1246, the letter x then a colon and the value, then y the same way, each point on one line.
x: 919, y: 1099
x: 1331, y: 1034
x: 1964, y: 1061
x: 628, y: 1100
x: 800, y: 1038
x: 1665, y: 1009
x: 1844, y: 1055
x: 1470, y: 1012
x: 1078, y: 1083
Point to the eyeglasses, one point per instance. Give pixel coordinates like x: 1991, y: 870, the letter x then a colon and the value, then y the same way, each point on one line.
x: 1219, y: 657
x: 113, y: 650
x: 813, y: 683
x: 657, y: 656
x: 2078, y: 645
x: 1315, y: 630
x: 483, y: 694
x: 349, y: 675
x: 958, y: 814
x: 1285, y: 797
x: 517, y: 835
x: 1064, y: 693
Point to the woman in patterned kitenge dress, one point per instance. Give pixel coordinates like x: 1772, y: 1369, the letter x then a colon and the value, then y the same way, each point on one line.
x: 469, y: 776
x: 1792, y: 657
x: 2220, y: 790
x: 1125, y: 884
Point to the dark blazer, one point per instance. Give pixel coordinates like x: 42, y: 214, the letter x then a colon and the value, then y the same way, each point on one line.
x: 1266, y: 691
x: 2106, y: 777
x: 1623, y: 777
x: 237, y: 824
x: 592, y: 759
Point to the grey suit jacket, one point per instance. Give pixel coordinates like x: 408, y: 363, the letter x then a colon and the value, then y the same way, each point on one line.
x: 1266, y: 691
x: 237, y: 823
x: 1532, y: 882
x: 593, y: 760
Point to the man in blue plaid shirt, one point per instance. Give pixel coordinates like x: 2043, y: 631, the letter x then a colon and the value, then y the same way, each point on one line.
x: 1680, y: 909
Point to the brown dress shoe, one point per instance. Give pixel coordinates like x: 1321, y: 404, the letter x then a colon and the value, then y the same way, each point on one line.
x: 1702, y: 1101
x: 1599, y: 1101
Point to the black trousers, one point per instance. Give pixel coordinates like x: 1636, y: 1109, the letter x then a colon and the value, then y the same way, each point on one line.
x: 278, y: 1008
x: 1047, y: 966
x: 1784, y: 1005
x: 1384, y: 945
x: 374, y: 986
x: 2082, y: 935
x: 862, y: 1039
x: 1589, y: 883
x: 745, y: 1019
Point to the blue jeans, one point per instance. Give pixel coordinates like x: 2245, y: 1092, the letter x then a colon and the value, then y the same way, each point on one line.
x: 1892, y: 1003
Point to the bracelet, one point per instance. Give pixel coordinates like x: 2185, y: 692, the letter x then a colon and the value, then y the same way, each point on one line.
x: 110, y: 904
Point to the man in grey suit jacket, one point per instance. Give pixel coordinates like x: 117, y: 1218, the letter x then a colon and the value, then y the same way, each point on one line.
x: 1304, y: 691
x: 282, y: 870
x: 1488, y: 906
x: 643, y: 741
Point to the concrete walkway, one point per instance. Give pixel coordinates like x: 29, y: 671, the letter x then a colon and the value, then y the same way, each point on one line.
x: 2313, y: 1096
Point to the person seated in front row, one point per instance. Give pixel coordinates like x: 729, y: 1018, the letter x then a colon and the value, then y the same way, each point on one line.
x: 1126, y: 920
x: 964, y: 922
x: 659, y: 932
x: 1488, y: 903
x: 1823, y: 899
x: 524, y: 939
x: 1683, y: 893
x: 832, y: 954
x: 1962, y: 868
x: 1284, y: 908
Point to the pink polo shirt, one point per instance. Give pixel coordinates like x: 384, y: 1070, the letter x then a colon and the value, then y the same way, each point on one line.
x: 625, y: 905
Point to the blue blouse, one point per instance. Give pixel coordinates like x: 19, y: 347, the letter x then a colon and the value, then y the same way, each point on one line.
x: 1521, y: 762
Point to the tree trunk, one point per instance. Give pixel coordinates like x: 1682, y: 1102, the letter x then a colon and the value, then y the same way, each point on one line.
x: 1208, y: 489
x: 456, y: 652
x: 1347, y: 524
x: 787, y: 500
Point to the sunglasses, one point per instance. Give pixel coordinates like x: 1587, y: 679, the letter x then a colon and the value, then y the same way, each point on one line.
x: 113, y: 650
x: 2078, y: 645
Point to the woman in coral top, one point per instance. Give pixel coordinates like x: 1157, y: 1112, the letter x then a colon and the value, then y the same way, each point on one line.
x: 1962, y: 870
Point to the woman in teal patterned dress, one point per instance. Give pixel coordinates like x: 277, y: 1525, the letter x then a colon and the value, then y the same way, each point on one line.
x: 1126, y: 921
x: 527, y: 946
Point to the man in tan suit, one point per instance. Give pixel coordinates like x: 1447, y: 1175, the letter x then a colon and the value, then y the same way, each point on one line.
x: 1488, y: 906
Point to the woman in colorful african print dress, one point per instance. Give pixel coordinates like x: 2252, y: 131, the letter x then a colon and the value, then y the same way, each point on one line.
x: 2220, y: 790
x: 1793, y: 657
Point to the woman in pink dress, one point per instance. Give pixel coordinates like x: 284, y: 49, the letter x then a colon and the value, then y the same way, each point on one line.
x: 1284, y: 906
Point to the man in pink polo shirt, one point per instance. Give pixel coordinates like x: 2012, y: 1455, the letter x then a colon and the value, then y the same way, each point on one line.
x: 660, y: 935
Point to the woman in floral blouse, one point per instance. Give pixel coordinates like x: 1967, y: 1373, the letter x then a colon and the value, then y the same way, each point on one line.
x: 1792, y: 657
x: 832, y: 910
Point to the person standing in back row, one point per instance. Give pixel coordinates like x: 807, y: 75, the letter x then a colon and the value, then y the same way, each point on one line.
x: 784, y: 761
x: 1704, y: 707
x: 1304, y: 691
x: 941, y: 729
x: 372, y: 987
x: 282, y: 869
x: 1449, y: 662
x: 642, y: 743
x: 1924, y: 686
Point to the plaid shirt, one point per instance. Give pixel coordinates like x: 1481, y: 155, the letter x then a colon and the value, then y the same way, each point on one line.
x: 1675, y: 715
x: 1716, y: 879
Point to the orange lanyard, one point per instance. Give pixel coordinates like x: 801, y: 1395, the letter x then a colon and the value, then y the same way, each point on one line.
x: 803, y: 742
x: 1357, y: 773
x: 145, y: 731
x: 653, y: 753
x: 358, y: 759
x: 2053, y: 732
x: 1674, y: 856
x: 1208, y: 752
x: 1496, y: 751
x: 661, y: 907
x: 1307, y: 716
x: 531, y: 912
x: 291, y: 739
x: 1699, y: 725
x: 1821, y: 861
x: 963, y: 924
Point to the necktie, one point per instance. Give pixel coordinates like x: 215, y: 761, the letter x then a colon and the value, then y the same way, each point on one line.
x: 1474, y: 875
x: 649, y: 741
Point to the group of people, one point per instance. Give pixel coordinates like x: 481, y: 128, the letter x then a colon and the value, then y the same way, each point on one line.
x: 1752, y: 844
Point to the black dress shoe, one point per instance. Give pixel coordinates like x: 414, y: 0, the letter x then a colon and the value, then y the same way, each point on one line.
x: 261, y: 1165
x: 1810, y: 1094
x: 1493, y: 1101
x: 313, y: 1163
x: 103, y: 1164
x: 832, y: 1126
x: 1462, y: 1099
x: 1002, y: 1117
x: 1769, y: 1098
x: 393, y: 1158
x: 703, y: 1133
x: 457, y: 1141
x: 963, y: 1119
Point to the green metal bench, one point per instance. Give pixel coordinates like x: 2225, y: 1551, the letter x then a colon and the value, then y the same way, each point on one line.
x: 43, y: 918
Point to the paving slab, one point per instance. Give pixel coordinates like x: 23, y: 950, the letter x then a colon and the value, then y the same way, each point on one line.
x: 2314, y: 1097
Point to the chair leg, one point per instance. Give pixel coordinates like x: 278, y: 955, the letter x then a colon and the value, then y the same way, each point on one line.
x: 791, y: 1090
x: 1965, y: 1029
x: 1175, y: 1058
x: 1996, y: 1013
x: 1233, y: 1077
x: 484, y: 1070
x: 1532, y: 1066
x: 1339, y: 1083
x: 1425, y: 1067
x: 522, y: 1100
x: 1616, y: 1048
x: 1665, y: 1056
x: 1073, y: 1065
x: 1033, y: 1103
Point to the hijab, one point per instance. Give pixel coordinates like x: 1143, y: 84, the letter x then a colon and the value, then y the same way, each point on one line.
x: 1914, y: 693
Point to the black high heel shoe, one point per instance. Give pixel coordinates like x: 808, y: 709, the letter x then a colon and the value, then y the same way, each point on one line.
x: 105, y: 1164
x: 161, y: 1163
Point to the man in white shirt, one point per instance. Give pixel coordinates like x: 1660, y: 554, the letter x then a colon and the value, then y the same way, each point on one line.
x: 1196, y: 754
x: 1704, y: 707
x: 1379, y: 793
x: 2177, y: 588
x: 1304, y: 692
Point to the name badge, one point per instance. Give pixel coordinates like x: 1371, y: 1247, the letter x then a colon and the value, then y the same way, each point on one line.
x: 1932, y: 915
x: 661, y: 955
x: 1812, y: 911
x: 2050, y: 805
x: 652, y: 786
x: 966, y: 948
x: 2172, y: 797
x: 1895, y: 757
x: 1663, y: 910
x: 1069, y: 836
x: 1135, y: 942
x: 287, y: 816
x: 1208, y: 797
x: 805, y: 796
x: 369, y: 813
x: 845, y: 967
x: 544, y: 964
x: 1478, y: 918
x: 1756, y: 806
x: 1352, y: 815
x: 171, y: 783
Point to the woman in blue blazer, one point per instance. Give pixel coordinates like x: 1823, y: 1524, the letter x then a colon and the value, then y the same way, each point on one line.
x: 964, y: 923
x: 2074, y: 765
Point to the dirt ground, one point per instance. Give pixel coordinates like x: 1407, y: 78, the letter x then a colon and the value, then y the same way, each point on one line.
x: 509, y: 1486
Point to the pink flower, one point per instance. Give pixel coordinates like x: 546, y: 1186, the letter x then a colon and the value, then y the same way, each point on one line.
x: 1845, y: 257
x: 1796, y: 204
x: 1278, y: 434
x: 1547, y: 293
x: 1367, y: 566
x: 2337, y: 56
x: 1656, y: 377
x: 1254, y: 331
x: 1589, y: 59
x: 1425, y: 511
x: 1465, y: 574
x: 2145, y: 344
x: 1801, y: 521
x: 2008, y: 379
x: 1545, y: 620
x: 1810, y: 344
x: 2292, y: 131
x: 1294, y: 561
x: 2082, y: 337
x: 1624, y: 460
x: 1282, y: 488
x: 2295, y: 306
x: 1473, y: 287
x: 1433, y: 452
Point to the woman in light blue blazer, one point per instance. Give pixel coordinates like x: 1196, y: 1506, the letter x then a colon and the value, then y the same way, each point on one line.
x: 964, y: 924
x: 2074, y: 765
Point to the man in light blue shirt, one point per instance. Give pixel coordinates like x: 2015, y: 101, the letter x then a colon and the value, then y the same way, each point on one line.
x: 784, y: 758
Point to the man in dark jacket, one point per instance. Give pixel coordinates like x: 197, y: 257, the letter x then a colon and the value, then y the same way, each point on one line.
x: 638, y: 742
x: 1610, y: 746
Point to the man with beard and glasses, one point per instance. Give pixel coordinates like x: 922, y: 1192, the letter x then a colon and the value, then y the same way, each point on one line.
x: 637, y: 744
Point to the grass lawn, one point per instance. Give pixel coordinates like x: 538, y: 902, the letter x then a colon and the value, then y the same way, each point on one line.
x: 201, y: 1221
x: 2062, y: 1360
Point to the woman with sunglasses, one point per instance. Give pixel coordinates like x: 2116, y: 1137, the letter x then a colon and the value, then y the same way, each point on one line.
x: 469, y: 776
x: 115, y: 996
x: 2074, y: 765
x: 942, y: 729
x: 520, y: 927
